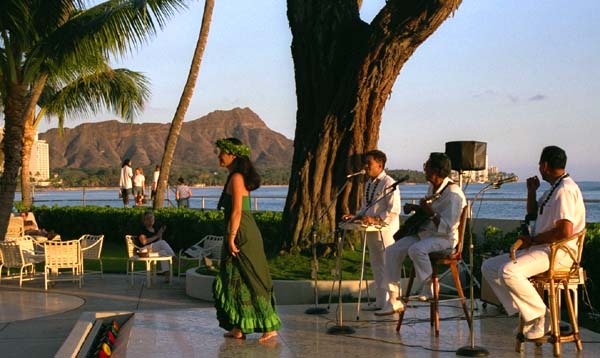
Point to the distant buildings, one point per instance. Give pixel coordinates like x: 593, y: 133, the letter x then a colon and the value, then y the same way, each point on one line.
x: 39, y: 162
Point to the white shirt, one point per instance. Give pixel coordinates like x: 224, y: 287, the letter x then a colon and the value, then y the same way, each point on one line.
x: 125, y: 178
x: 373, y: 203
x: 155, y: 179
x: 566, y: 203
x: 449, y: 207
x: 139, y: 179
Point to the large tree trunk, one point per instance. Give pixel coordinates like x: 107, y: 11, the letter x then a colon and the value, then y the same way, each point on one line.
x: 28, y: 139
x: 184, y: 103
x: 344, y: 70
x: 21, y: 99
x: 13, y: 143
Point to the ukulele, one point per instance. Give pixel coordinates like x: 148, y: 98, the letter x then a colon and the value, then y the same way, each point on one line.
x: 412, y: 225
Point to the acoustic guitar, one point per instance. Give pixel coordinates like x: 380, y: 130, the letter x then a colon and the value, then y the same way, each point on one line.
x: 412, y: 225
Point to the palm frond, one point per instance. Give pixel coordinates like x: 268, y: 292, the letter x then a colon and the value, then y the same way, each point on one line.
x: 114, y: 27
x: 121, y: 90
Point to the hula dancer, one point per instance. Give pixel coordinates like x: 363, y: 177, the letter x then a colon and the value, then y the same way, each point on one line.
x: 243, y: 290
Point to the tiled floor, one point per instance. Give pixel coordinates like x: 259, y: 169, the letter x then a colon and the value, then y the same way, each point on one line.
x: 167, y: 323
x: 194, y: 333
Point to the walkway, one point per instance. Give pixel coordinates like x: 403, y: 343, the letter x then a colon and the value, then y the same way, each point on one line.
x: 167, y: 323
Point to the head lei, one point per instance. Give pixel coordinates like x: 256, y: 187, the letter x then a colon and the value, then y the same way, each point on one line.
x: 232, y: 148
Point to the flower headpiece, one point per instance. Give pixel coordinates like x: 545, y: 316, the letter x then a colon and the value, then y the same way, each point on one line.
x: 232, y: 148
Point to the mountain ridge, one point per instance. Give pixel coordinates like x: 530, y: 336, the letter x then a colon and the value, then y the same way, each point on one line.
x: 106, y: 144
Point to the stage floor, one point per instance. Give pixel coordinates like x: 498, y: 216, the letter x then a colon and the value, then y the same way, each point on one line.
x: 195, y: 333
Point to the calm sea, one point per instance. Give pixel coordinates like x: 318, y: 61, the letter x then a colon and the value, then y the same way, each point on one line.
x: 508, y: 202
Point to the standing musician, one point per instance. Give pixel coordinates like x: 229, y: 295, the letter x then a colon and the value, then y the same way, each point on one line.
x: 379, y: 206
x: 438, y: 233
x: 560, y: 214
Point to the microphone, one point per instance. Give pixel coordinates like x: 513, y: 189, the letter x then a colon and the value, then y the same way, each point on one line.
x: 499, y: 182
x: 362, y: 172
x: 401, y: 180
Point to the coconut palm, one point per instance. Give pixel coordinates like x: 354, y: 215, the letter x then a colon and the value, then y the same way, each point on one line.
x: 45, y: 39
x: 120, y: 90
x: 184, y: 102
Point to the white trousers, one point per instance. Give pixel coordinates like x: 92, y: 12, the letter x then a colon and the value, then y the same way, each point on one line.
x: 378, y: 242
x: 510, y: 281
x: 418, y: 250
x: 164, y: 249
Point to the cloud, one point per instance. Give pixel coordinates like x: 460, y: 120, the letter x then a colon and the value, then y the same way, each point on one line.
x: 537, y: 97
x: 512, y: 98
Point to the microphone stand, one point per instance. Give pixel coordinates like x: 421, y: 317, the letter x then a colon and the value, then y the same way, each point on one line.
x: 472, y: 350
x: 315, y: 261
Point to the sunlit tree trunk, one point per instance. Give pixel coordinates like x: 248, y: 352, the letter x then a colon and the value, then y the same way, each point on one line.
x: 13, y: 143
x: 28, y: 139
x: 345, y: 70
x: 184, y: 103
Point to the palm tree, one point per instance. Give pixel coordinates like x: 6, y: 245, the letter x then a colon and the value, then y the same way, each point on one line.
x: 121, y: 90
x: 45, y: 39
x: 184, y: 103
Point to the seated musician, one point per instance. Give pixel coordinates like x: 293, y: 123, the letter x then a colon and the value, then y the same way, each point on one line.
x: 560, y: 214
x: 441, y: 210
x: 378, y: 208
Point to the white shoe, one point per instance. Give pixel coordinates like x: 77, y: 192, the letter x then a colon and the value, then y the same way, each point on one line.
x: 390, y: 309
x: 540, y: 327
x: 426, y: 291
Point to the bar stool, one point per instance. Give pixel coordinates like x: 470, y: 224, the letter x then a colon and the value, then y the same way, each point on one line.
x: 555, y: 280
x: 451, y: 258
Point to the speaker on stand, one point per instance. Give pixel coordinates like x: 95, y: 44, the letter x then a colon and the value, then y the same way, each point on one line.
x: 469, y: 155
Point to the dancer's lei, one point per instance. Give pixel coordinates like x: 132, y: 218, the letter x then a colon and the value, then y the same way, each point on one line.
x: 231, y: 148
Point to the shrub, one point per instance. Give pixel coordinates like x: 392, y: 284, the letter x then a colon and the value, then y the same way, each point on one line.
x: 184, y: 227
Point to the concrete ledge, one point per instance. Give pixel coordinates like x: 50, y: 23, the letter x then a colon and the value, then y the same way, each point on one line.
x: 287, y: 292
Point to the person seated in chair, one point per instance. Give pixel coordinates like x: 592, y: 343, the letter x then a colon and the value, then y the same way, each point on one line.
x: 441, y: 210
x: 151, y: 236
x: 560, y: 214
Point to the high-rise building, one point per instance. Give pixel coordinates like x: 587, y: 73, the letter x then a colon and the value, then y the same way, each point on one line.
x: 39, y: 163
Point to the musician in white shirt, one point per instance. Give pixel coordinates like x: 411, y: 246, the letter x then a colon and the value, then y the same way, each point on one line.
x: 380, y: 205
x: 559, y: 213
x: 439, y: 232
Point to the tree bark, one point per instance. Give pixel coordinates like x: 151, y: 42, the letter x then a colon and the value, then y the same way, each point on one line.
x: 28, y: 139
x: 186, y: 97
x: 13, y: 143
x: 344, y: 71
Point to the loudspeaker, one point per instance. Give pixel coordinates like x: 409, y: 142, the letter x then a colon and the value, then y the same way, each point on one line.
x: 467, y: 155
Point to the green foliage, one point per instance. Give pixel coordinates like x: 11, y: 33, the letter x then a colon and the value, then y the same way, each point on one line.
x: 298, y: 266
x: 184, y: 227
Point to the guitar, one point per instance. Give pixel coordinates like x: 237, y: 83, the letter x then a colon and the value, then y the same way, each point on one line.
x: 415, y: 221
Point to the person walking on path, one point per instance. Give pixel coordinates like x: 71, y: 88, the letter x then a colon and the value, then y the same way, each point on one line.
x: 125, y: 181
x: 183, y: 193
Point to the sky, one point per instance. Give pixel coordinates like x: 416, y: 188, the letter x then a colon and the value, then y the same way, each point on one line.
x: 518, y: 75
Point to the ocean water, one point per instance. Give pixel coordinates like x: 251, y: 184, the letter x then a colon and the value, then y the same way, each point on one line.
x: 508, y: 202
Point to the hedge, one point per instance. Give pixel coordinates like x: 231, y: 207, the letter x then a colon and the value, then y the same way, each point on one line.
x: 184, y: 226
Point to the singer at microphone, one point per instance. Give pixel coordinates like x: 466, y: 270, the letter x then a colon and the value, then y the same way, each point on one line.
x: 378, y: 208
x: 362, y: 172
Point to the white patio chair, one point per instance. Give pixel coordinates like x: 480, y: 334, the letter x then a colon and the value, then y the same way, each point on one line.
x: 33, y: 252
x: 208, y: 247
x: 91, y: 249
x: 11, y: 257
x: 16, y: 227
x: 150, y: 262
x: 62, y: 255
